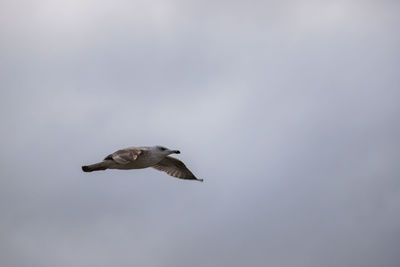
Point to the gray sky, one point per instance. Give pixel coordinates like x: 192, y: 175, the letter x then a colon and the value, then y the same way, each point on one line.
x: 288, y: 109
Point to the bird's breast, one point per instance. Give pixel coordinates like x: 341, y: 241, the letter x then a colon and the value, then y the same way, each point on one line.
x: 140, y: 163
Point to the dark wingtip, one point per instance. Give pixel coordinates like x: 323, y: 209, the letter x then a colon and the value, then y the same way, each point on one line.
x: 85, y: 168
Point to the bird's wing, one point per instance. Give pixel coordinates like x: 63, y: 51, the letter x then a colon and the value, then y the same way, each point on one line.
x: 125, y: 156
x: 175, y: 168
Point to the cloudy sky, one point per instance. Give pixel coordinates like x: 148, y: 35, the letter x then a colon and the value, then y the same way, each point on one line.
x: 288, y: 109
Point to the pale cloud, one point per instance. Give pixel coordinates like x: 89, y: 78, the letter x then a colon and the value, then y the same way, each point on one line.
x: 288, y: 110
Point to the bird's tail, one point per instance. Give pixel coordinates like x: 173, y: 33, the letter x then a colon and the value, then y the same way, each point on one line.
x: 101, y: 166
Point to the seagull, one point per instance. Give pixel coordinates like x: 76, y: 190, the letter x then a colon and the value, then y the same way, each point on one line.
x: 156, y: 157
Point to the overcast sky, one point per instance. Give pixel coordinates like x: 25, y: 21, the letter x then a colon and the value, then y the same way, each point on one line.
x: 288, y: 109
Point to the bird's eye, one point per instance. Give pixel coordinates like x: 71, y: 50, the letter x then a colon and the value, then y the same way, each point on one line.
x: 163, y: 148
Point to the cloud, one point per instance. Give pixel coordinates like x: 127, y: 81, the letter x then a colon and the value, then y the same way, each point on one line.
x: 288, y: 110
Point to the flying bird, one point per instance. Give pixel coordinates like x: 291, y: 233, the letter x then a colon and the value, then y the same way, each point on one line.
x: 156, y: 157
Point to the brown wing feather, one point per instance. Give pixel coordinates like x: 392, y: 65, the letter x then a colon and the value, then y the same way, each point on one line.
x: 175, y: 168
x: 125, y: 156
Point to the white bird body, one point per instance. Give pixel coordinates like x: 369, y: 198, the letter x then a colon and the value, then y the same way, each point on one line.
x: 143, y: 157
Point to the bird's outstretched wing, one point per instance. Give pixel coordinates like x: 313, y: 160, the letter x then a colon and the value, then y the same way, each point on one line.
x: 175, y: 168
x: 125, y: 156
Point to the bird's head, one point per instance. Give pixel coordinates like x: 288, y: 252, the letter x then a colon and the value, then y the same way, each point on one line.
x: 166, y: 151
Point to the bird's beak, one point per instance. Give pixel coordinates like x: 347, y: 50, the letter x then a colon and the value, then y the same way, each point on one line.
x: 176, y: 152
